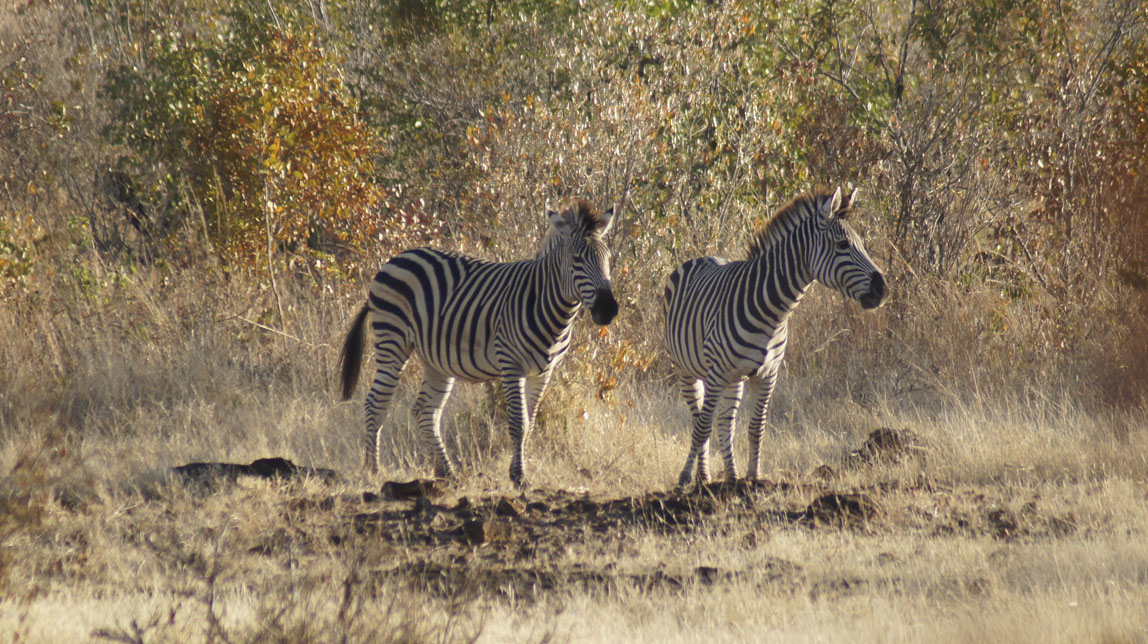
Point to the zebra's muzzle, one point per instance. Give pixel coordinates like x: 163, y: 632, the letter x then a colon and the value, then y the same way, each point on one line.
x: 605, y: 307
x: 876, y: 294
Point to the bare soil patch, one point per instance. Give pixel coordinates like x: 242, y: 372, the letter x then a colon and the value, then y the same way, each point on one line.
x: 449, y: 541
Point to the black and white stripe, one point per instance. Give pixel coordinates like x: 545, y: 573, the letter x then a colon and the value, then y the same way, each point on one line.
x: 474, y: 320
x: 726, y: 323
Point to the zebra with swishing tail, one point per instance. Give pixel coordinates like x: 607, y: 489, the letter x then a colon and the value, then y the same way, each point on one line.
x: 726, y: 323
x: 474, y: 320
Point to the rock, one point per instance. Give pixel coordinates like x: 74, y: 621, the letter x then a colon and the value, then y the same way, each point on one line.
x: 835, y: 507
x: 506, y: 509
x: 497, y: 530
x: 1004, y: 523
x: 265, y: 468
x: 474, y: 532
x: 886, y: 445
x: 402, y: 490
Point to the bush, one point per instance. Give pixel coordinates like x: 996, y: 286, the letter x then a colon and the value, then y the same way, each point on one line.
x: 241, y: 128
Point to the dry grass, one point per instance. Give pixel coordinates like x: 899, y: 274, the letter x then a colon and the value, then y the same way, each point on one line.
x: 1021, y: 520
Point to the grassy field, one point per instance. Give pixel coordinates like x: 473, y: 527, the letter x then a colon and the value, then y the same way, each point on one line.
x: 999, y: 521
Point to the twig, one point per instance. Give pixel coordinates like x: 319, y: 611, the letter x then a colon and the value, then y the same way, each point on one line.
x: 824, y: 345
x: 267, y: 205
x: 901, y: 256
x: 269, y: 329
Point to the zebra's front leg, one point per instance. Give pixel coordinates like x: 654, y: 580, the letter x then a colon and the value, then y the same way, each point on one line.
x: 724, y: 425
x: 535, y: 387
x: 703, y: 470
x: 761, y: 390
x: 513, y: 388
x: 703, y: 425
x: 428, y: 407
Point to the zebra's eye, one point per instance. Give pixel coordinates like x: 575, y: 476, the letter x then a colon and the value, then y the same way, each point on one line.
x: 843, y: 244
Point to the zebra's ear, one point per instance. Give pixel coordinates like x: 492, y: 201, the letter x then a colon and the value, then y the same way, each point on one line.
x: 851, y: 200
x: 559, y: 223
x: 828, y: 208
x: 606, y: 221
x: 835, y: 201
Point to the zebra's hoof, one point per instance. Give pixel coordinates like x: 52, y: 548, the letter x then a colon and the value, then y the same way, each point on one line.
x: 445, y: 470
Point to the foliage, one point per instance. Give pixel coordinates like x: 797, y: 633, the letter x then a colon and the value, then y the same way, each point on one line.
x: 15, y: 254
x: 712, y: 116
x: 249, y: 124
x: 998, y: 146
x: 33, y: 120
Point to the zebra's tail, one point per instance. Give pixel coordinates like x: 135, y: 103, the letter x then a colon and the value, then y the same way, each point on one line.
x: 351, y: 357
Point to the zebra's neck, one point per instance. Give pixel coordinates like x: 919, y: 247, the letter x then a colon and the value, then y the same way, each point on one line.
x: 783, y: 275
x: 547, y: 272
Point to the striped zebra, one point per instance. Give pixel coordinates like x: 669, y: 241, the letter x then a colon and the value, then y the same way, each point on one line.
x: 475, y: 320
x: 726, y: 323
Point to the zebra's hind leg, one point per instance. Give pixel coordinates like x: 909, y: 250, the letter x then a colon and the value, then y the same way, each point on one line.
x: 432, y: 398
x: 390, y: 358
x: 692, y: 390
x: 724, y: 425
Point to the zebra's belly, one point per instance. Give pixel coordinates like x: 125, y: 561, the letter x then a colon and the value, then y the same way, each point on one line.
x: 470, y: 364
x: 731, y: 361
x: 480, y: 364
x: 687, y: 362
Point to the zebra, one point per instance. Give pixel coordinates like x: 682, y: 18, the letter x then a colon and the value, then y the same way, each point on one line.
x: 726, y: 323
x: 475, y: 320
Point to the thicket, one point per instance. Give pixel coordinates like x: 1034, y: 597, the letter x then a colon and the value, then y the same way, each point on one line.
x: 295, y: 144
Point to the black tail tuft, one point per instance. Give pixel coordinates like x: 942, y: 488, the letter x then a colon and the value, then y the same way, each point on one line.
x: 352, y: 356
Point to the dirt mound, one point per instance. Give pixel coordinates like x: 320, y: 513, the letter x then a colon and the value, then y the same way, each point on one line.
x: 521, y: 545
x: 886, y: 445
x: 837, y: 509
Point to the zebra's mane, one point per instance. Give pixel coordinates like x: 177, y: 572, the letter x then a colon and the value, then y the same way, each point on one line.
x: 591, y: 219
x: 584, y: 215
x: 786, y: 219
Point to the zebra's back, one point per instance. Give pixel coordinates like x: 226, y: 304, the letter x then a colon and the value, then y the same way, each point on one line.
x: 445, y: 306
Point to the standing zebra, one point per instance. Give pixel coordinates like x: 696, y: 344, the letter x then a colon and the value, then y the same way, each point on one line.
x: 727, y: 322
x: 476, y: 320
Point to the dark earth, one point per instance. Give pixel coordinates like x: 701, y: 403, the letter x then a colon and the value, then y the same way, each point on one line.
x: 517, y: 545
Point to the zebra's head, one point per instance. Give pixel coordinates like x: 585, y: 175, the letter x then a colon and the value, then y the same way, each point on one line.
x: 838, y: 258
x: 576, y: 235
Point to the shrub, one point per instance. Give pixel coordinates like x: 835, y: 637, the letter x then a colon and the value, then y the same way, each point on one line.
x: 242, y: 128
